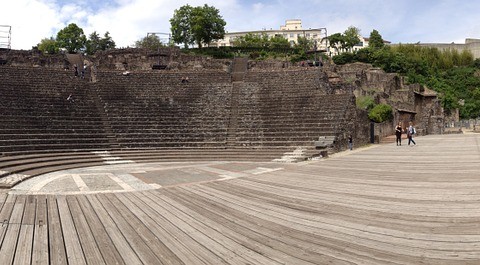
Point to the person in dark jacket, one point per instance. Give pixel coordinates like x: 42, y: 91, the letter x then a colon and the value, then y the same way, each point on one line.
x: 398, y: 133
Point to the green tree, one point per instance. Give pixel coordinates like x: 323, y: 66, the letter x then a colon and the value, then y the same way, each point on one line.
x: 95, y: 43
x: 201, y: 25
x: 351, y: 37
x: 207, y: 25
x: 337, y: 41
x: 71, y: 38
x: 375, y: 40
x: 48, y: 45
x: 278, y: 42
x: 250, y: 40
x: 151, y: 42
x: 107, y: 43
x: 304, y: 43
x: 181, y: 26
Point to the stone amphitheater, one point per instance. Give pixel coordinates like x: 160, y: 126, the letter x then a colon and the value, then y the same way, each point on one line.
x: 132, y: 165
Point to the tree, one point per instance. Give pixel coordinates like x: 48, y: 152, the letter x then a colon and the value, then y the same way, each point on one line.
x: 250, y: 40
x: 200, y: 25
x: 278, y: 42
x: 375, y: 40
x: 95, y: 43
x: 207, y: 25
x: 304, y: 43
x: 351, y: 37
x: 337, y: 41
x: 261, y: 41
x: 107, y: 43
x: 151, y: 42
x: 48, y: 45
x: 181, y: 26
x: 71, y: 38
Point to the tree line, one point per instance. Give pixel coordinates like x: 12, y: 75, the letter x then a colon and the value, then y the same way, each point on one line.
x: 189, y: 25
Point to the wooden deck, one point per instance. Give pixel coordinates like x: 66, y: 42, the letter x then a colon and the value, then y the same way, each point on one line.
x: 380, y: 205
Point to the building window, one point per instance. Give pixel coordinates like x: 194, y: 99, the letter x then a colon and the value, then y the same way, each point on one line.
x: 307, y: 35
x: 291, y: 35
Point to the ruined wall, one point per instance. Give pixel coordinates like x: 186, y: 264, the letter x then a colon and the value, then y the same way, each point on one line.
x: 390, y: 88
x: 33, y: 58
x: 120, y: 59
x: 143, y: 59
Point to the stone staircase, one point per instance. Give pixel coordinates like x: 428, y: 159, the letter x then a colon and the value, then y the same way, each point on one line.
x: 240, y: 65
x: 238, y: 74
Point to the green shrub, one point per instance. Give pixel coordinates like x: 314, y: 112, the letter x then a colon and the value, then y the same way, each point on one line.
x: 381, y: 113
x: 344, y: 58
x: 365, y: 102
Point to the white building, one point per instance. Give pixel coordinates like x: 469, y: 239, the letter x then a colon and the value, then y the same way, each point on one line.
x: 291, y: 31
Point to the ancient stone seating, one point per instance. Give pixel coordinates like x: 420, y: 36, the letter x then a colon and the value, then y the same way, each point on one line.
x: 284, y: 108
x: 44, y: 109
x: 52, y: 120
x: 159, y: 110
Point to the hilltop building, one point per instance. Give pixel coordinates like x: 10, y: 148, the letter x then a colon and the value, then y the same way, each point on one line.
x: 292, y: 30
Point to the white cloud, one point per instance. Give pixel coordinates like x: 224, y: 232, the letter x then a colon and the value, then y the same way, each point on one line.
x: 130, y: 20
x: 30, y: 21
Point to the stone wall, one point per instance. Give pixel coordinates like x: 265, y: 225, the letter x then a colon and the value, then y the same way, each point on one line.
x: 472, y: 45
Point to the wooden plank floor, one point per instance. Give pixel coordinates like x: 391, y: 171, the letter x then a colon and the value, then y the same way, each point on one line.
x: 382, y: 205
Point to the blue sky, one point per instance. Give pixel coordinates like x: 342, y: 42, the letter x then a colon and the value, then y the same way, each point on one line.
x: 398, y: 21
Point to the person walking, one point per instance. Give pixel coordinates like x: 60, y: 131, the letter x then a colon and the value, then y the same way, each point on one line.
x: 410, y: 132
x: 398, y: 133
x: 350, y: 142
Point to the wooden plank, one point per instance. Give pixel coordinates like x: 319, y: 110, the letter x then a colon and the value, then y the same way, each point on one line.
x: 23, y: 253
x: 73, y: 246
x: 3, y: 199
x: 142, y: 248
x: 11, y: 236
x: 58, y: 253
x: 104, y: 243
x: 40, y: 239
x: 155, y: 222
x: 87, y: 239
x: 161, y: 251
x: 254, y: 234
x: 325, y: 234
x: 5, y: 214
x: 183, y: 237
x: 119, y: 241
x: 218, y: 254
x: 239, y: 244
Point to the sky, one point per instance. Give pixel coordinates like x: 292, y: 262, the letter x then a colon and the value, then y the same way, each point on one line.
x: 398, y: 21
